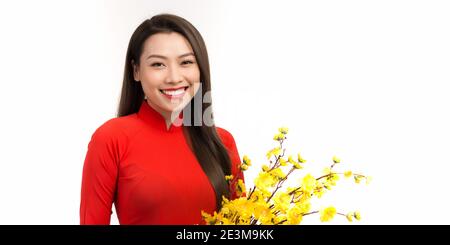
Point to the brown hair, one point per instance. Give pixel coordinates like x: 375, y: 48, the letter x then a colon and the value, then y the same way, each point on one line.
x: 203, y: 139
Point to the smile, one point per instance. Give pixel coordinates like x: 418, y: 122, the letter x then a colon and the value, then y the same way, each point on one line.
x: 174, y: 92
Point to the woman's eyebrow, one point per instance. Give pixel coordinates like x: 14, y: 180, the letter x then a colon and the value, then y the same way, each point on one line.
x: 164, y: 57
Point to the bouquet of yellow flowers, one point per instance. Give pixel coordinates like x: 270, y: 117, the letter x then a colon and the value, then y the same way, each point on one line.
x: 269, y: 203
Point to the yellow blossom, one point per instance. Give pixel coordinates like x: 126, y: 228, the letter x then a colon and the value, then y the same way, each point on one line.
x: 209, y: 219
x: 308, y: 183
x: 274, y: 152
x: 246, y: 160
x: 226, y: 221
x: 267, y: 219
x: 225, y: 200
x: 297, y: 166
x: 349, y: 217
x: 303, y: 207
x: 300, y: 158
x: 294, y: 163
x: 326, y: 170
x: 244, y: 167
x: 327, y: 214
x: 283, y: 130
x: 336, y: 159
x: 332, y: 179
x: 264, y: 181
x: 266, y: 205
x: 294, y: 216
x: 225, y: 210
x: 278, y: 173
x: 319, y: 193
x: 279, y: 219
x: 282, y: 201
x: 240, y: 188
x: 278, y: 137
x: 290, y: 160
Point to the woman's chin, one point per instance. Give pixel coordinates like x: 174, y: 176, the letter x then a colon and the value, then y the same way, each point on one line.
x: 174, y: 107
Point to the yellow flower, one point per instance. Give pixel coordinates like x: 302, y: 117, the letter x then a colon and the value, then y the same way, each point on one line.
x: 225, y: 210
x: 282, y: 201
x: 278, y: 137
x: 240, y: 188
x: 349, y: 217
x: 267, y: 219
x: 283, y: 130
x: 290, y: 160
x: 294, y: 216
x: 279, y: 219
x: 327, y: 214
x: 294, y: 163
x: 336, y: 159
x: 303, y: 207
x: 300, y: 158
x: 326, y: 170
x: 297, y: 166
x: 308, y: 183
x: 274, y: 152
x: 264, y: 181
x: 246, y: 160
x: 209, y: 219
x: 225, y: 200
x: 278, y: 173
x: 266, y: 193
x: 332, y: 179
x: 318, y: 192
x: 261, y: 207
x: 226, y: 221
x: 287, y: 205
x: 348, y: 174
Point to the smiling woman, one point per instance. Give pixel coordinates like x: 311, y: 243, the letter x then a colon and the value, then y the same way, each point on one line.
x: 169, y: 80
x: 155, y: 169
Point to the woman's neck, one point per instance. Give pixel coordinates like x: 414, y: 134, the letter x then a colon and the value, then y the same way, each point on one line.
x: 169, y: 117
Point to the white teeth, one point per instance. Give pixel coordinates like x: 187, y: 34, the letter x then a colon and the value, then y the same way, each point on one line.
x: 174, y: 92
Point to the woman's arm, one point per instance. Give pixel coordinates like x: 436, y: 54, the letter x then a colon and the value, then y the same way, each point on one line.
x: 99, y: 179
x: 229, y: 142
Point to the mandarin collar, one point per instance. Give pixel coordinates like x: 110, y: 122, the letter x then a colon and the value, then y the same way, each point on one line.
x: 154, y: 119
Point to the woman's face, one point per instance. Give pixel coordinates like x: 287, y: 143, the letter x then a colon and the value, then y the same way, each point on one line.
x: 168, y: 72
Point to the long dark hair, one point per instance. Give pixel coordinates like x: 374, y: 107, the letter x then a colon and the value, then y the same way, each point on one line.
x: 203, y: 139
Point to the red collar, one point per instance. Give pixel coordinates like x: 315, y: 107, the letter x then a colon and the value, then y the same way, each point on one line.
x: 155, y: 119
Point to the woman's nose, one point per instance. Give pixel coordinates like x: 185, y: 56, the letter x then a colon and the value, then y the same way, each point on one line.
x: 174, y: 75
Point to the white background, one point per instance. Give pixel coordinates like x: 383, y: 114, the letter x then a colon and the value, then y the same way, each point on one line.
x: 364, y: 80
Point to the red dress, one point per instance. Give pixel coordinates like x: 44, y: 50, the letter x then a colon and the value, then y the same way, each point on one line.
x: 148, y: 172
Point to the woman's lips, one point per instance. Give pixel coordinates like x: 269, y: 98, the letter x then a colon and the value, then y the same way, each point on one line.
x: 174, y: 93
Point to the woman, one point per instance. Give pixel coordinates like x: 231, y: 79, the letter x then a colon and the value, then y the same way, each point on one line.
x: 162, y: 160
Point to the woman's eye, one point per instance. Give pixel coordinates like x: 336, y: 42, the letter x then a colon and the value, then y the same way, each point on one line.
x: 157, y: 64
x: 186, y: 62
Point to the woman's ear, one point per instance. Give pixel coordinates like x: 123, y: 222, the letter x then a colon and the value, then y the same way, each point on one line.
x: 135, y: 71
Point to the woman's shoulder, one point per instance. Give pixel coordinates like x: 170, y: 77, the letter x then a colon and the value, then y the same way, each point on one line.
x: 226, y: 137
x: 117, y: 128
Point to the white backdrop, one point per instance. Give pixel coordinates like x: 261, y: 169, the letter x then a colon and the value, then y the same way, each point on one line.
x: 364, y: 80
